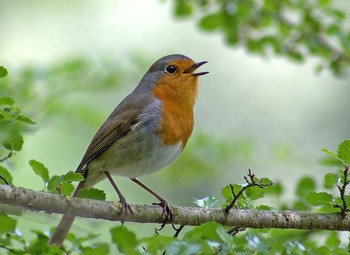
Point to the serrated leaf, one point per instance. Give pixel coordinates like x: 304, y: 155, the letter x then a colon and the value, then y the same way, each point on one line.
x: 305, y: 186
x: 40, y: 170
x: 6, y: 101
x: 93, y: 193
x: 344, y: 151
x: 319, y: 198
x: 208, y: 202
x: 3, y: 71
x: 124, y: 239
x: 7, y: 224
x: 71, y: 177
x: 330, y: 180
x: 5, y: 174
x: 263, y: 207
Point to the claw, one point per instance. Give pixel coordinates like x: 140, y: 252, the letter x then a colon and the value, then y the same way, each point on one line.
x: 166, y: 210
x: 126, y: 206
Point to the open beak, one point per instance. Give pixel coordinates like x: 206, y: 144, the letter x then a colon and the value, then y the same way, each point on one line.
x: 194, y: 67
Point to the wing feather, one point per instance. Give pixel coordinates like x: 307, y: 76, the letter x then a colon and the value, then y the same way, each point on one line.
x: 117, y: 125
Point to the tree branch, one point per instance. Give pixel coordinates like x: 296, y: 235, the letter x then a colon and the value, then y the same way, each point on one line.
x: 50, y: 203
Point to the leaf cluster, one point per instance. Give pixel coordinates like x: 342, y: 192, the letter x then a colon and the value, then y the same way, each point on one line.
x: 292, y: 29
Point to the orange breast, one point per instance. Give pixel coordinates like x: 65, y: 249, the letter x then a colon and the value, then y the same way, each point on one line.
x: 178, y: 95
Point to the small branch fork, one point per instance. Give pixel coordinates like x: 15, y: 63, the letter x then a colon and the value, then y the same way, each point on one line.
x: 251, y: 182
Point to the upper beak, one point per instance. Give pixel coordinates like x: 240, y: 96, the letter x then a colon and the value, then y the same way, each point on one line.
x: 191, y: 69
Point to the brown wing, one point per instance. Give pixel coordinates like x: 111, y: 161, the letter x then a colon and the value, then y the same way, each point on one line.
x: 117, y: 125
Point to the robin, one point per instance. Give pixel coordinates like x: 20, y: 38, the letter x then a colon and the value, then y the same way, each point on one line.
x: 146, y: 132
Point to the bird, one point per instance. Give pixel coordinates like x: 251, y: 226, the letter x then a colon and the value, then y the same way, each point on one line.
x: 146, y: 132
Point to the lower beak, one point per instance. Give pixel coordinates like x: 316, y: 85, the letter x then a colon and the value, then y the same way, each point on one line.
x: 194, y: 67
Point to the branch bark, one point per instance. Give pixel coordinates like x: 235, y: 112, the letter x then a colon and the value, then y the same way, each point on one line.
x: 36, y: 201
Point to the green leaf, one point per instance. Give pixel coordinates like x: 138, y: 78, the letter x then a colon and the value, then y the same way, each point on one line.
x: 93, y: 193
x: 66, y: 188
x: 25, y: 120
x: 71, y: 177
x: 330, y: 161
x: 295, y: 56
x: 319, y: 198
x: 227, y: 192
x: 184, y: 248
x: 258, y: 244
x: 5, y: 174
x: 344, y: 151
x: 263, y: 207
x: 14, y: 142
x: 254, y: 193
x: 99, y: 248
x: 330, y: 180
x: 339, y: 14
x: 3, y: 72
x: 324, y: 3
x: 331, y: 153
x: 7, y: 224
x: 305, y: 186
x: 275, y: 189
x: 40, y: 170
x: 53, y: 184
x: 211, y: 21
x: 208, y: 202
x: 333, y: 240
x: 124, y: 239
x: 183, y: 8
x: 6, y: 101
x: 206, y: 231
x: 156, y: 243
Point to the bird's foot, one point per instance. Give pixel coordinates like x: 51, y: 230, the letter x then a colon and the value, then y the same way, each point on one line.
x: 126, y: 208
x: 166, y: 210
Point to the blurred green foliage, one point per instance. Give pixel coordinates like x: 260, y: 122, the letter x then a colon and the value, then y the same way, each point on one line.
x: 292, y: 29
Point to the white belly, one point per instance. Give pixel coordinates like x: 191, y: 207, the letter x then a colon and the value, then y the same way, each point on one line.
x: 132, y: 157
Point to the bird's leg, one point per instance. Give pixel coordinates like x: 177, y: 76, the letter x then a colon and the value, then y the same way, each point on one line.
x: 126, y: 207
x: 167, y: 211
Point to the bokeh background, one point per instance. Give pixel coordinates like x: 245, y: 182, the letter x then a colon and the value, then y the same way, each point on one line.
x: 265, y: 114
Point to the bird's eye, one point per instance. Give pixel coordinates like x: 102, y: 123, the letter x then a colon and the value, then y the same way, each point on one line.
x: 170, y: 69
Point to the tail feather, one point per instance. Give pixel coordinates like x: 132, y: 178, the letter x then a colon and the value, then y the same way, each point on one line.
x: 66, y: 222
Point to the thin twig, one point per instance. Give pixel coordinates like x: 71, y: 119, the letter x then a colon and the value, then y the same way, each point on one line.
x: 250, y: 183
x: 342, y: 191
x: 4, y: 179
x: 178, y: 230
x: 6, y: 157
